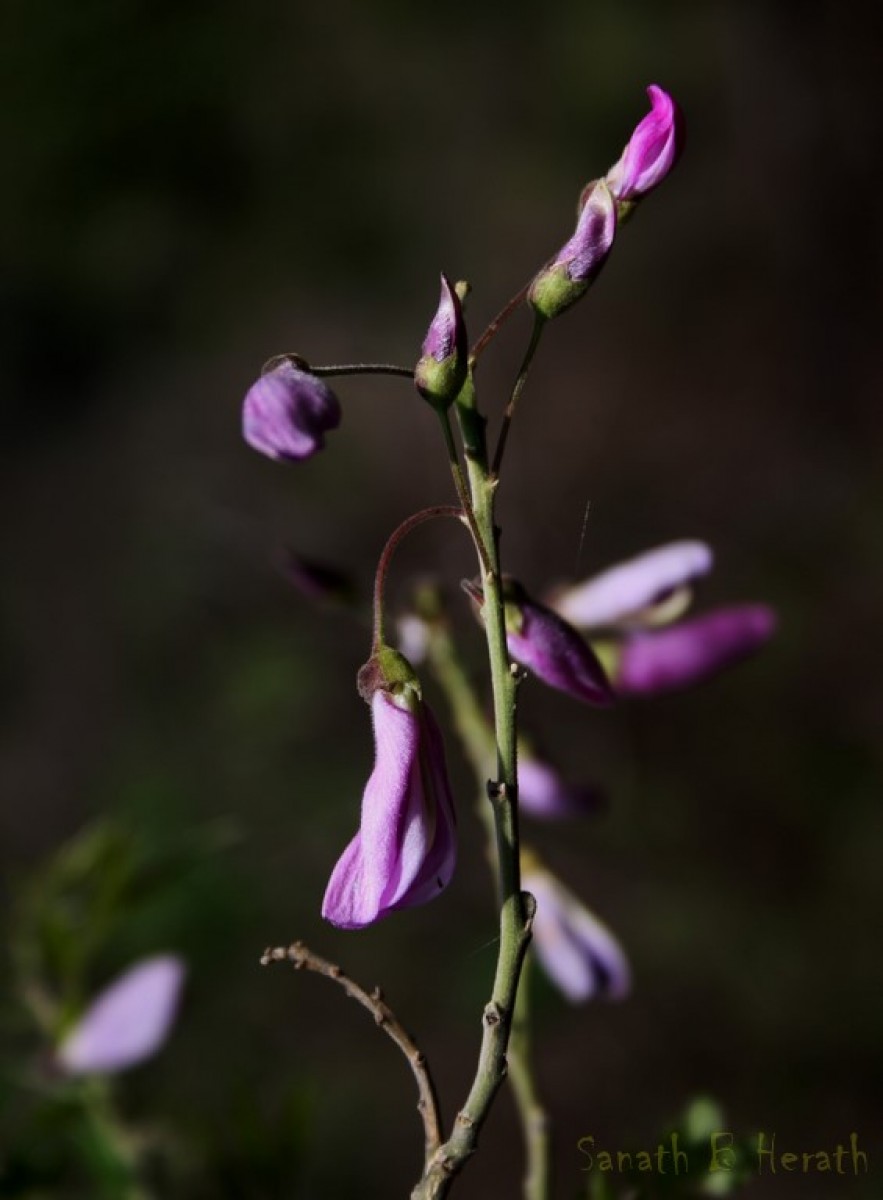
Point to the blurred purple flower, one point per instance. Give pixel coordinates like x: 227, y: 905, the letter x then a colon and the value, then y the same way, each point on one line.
x: 578, y: 953
x: 405, y: 850
x: 287, y: 413
x: 543, y: 793
x: 652, y: 150
x: 673, y: 658
x: 553, y: 650
x: 622, y: 610
x: 127, y: 1022
x: 579, y: 261
x: 441, y: 371
x: 631, y: 592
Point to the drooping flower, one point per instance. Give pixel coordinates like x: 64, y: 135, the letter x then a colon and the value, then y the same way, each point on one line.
x: 650, y: 588
x: 127, y: 1022
x: 405, y: 850
x: 542, y: 792
x: 651, y: 151
x: 668, y: 659
x: 567, y: 277
x: 548, y: 647
x: 576, y: 950
x: 287, y: 413
x: 623, y: 610
x: 441, y: 371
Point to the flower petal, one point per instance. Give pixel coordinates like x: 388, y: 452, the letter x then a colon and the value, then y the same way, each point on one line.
x: 543, y: 793
x: 127, y: 1022
x: 623, y: 592
x: 692, y: 651
x: 652, y: 150
x: 405, y: 850
x: 579, y: 954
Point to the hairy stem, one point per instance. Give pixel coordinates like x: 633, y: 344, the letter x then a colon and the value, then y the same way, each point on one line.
x: 533, y: 1117
x: 302, y: 958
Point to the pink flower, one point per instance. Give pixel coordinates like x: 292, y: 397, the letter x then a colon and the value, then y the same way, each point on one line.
x: 652, y: 150
x: 578, y: 953
x: 623, y: 611
x: 287, y: 413
x: 127, y: 1022
x: 405, y: 850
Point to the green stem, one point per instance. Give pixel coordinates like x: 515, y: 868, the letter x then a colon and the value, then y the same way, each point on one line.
x: 337, y: 368
x: 478, y: 741
x: 534, y: 1119
x: 539, y: 325
x: 460, y: 484
x: 516, y: 908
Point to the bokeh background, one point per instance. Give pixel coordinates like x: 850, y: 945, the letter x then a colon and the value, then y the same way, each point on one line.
x: 192, y: 187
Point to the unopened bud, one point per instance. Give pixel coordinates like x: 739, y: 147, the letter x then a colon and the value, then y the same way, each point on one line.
x: 441, y: 370
x: 568, y: 276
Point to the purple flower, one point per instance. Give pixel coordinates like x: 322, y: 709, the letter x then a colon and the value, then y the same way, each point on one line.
x: 287, y: 412
x: 543, y: 793
x: 566, y: 278
x: 553, y: 650
x: 441, y: 371
x: 127, y: 1022
x: 652, y: 150
x: 405, y: 850
x: 639, y: 591
x: 674, y: 658
x: 578, y: 953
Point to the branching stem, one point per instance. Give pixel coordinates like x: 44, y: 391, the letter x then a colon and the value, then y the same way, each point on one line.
x: 303, y: 959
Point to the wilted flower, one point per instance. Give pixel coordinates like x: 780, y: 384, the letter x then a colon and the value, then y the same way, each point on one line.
x: 441, y: 371
x: 127, y: 1022
x: 287, y: 413
x: 667, y: 659
x: 547, y: 646
x: 622, y: 611
x: 652, y: 150
x: 544, y: 794
x: 405, y: 850
x: 567, y: 277
x: 578, y: 953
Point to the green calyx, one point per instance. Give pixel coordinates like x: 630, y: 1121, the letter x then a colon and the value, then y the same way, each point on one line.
x: 389, y: 671
x: 439, y: 383
x: 553, y: 291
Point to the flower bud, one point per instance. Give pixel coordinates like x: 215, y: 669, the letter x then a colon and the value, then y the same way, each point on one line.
x: 567, y: 277
x: 652, y: 150
x: 578, y: 953
x: 441, y: 371
x: 405, y: 850
x: 287, y: 412
x: 668, y: 659
x: 127, y: 1022
x: 553, y: 650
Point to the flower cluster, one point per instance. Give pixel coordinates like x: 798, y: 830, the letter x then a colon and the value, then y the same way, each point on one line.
x: 614, y: 635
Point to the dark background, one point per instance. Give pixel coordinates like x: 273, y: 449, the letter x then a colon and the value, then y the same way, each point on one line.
x: 192, y: 187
